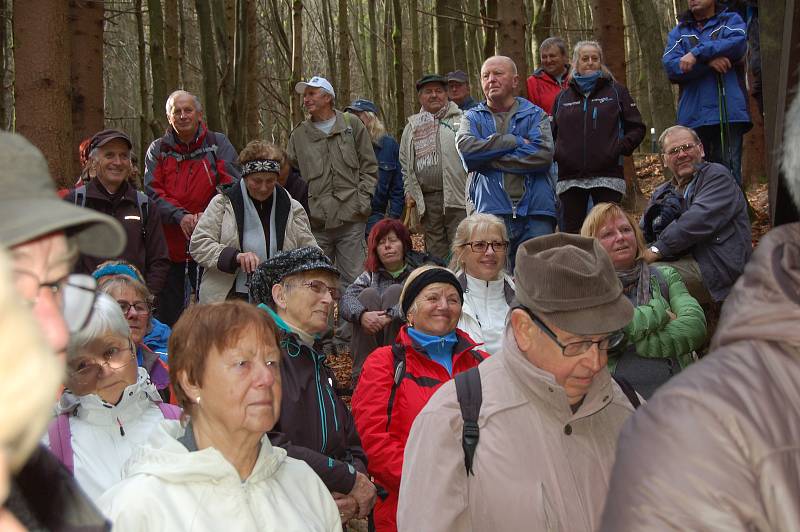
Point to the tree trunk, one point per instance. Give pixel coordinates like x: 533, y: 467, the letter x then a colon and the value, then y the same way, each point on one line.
x: 297, y: 60
x: 445, y: 61
x: 489, y: 14
x: 397, y: 41
x: 182, y: 46
x: 143, y: 107
x: 416, y: 49
x: 225, y: 59
x: 343, y: 90
x: 753, y: 162
x: 458, y: 36
x: 209, y: 62
x: 511, y: 37
x: 330, y: 48
x: 542, y: 20
x: 172, y: 52
x: 651, y: 42
x: 388, y: 60
x: 474, y: 36
x: 5, y: 105
x: 42, y: 81
x: 253, y: 47
x: 86, y: 22
x: 157, y: 64
x: 238, y: 127
x: 374, y: 79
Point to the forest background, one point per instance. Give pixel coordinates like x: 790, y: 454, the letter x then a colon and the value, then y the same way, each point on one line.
x: 72, y: 67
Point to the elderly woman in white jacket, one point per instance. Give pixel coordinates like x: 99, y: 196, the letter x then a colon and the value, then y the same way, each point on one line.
x: 252, y: 220
x: 479, y: 259
x: 218, y: 470
x: 110, y: 405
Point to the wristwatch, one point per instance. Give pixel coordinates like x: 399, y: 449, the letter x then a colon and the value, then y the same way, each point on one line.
x: 655, y: 250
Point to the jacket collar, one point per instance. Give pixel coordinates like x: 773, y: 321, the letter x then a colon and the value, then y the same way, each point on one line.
x: 541, y: 73
x: 508, y: 285
x: 687, y: 17
x: 541, y: 387
x: 464, y: 344
x: 341, y: 125
x: 452, y: 112
x: 523, y: 109
x: 172, y: 141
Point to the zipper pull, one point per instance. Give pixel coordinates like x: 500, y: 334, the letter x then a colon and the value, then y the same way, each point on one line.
x: 121, y: 430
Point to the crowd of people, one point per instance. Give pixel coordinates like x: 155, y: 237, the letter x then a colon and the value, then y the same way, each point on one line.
x: 167, y: 367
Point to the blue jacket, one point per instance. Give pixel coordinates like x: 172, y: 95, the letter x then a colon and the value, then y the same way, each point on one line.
x: 389, y: 190
x: 487, y: 156
x: 724, y: 34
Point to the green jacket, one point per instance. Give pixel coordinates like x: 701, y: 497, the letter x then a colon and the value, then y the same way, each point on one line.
x: 652, y: 331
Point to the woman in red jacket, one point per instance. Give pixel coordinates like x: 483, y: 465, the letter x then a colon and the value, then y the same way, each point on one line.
x: 397, y: 381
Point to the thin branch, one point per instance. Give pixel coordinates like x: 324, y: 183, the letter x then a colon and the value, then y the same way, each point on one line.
x: 494, y: 27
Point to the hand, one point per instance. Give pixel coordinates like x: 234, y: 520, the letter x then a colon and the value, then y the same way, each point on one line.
x: 650, y: 257
x: 687, y: 62
x: 721, y: 64
x: 671, y: 315
x: 364, y: 493
x: 526, y: 141
x: 374, y: 320
x: 410, y: 201
x: 187, y: 225
x: 348, y: 507
x: 248, y: 262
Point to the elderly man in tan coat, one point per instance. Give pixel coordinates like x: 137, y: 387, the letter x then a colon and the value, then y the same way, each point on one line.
x: 550, y: 411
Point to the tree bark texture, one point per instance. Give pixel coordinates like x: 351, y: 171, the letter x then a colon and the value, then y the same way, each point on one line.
x: 416, y: 50
x: 542, y: 20
x: 489, y: 13
x: 511, y: 37
x: 42, y: 81
x: 5, y: 104
x: 458, y: 36
x: 445, y: 60
x: 254, y: 72
x: 397, y: 41
x: 86, y: 22
x: 238, y: 123
x: 172, y: 53
x: 209, y: 62
x: 387, y: 38
x: 374, y: 78
x: 225, y: 59
x: 330, y: 45
x: 343, y: 90
x: 144, y: 134
x: 158, y: 65
x: 297, y: 60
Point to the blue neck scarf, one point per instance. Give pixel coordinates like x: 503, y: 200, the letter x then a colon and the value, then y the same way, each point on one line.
x: 439, y: 348
x: 588, y: 81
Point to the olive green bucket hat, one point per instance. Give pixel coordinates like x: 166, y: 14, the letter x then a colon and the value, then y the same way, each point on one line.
x: 30, y: 207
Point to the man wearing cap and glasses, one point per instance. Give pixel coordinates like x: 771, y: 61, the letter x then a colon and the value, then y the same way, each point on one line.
x: 110, y: 192
x: 334, y: 154
x: 44, y: 235
x: 434, y: 178
x: 550, y: 411
x: 388, y: 199
x: 458, y: 90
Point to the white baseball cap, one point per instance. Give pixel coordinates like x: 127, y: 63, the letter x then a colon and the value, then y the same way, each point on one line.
x: 316, y: 81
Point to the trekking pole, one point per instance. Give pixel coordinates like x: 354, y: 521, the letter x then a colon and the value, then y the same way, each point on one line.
x: 725, y: 132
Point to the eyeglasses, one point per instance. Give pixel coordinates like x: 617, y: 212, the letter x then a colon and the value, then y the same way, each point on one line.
x: 681, y: 149
x: 480, y: 246
x: 114, y: 357
x: 74, y: 294
x: 140, y: 307
x: 318, y: 287
x: 574, y: 349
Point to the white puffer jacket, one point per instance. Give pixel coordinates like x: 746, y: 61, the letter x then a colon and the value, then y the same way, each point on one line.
x: 104, y: 435
x: 169, y: 488
x: 486, y: 304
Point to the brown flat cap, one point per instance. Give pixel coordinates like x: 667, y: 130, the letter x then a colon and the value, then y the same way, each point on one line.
x: 101, y: 138
x: 570, y: 281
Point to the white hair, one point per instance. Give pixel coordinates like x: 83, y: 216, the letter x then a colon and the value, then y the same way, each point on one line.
x: 107, y: 318
x: 180, y: 92
x: 790, y: 161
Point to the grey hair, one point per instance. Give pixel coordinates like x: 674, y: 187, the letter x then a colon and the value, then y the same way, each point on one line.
x: 106, y: 318
x: 674, y: 129
x: 180, y: 92
x: 790, y: 161
x: 506, y: 59
x: 558, y: 42
x: 466, y: 228
x: 576, y: 53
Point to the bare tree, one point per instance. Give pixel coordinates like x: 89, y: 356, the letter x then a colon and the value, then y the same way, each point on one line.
x: 297, y: 59
x: 343, y: 89
x: 172, y: 52
x: 445, y: 60
x: 511, y: 36
x: 254, y: 72
x: 416, y: 51
x: 374, y: 80
x: 542, y: 18
x: 157, y: 63
x: 209, y: 60
x: 143, y: 112
x: 5, y: 49
x: 489, y: 16
x: 397, y: 41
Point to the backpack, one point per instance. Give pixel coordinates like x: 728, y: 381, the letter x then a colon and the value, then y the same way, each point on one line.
x: 142, y: 202
x: 470, y: 397
x: 61, y: 436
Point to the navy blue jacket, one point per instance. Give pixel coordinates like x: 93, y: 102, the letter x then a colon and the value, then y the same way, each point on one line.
x: 714, y: 228
x: 724, y: 34
x: 389, y: 190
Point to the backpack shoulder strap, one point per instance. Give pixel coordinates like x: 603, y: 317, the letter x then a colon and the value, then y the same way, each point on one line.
x: 628, y: 390
x: 143, y: 202
x: 399, y: 365
x: 61, y: 441
x: 169, y: 411
x: 470, y: 397
x: 662, y: 282
x: 80, y: 196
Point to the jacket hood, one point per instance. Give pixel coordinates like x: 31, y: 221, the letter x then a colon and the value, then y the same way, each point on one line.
x: 688, y: 18
x: 765, y: 302
x: 164, y: 457
x: 525, y: 108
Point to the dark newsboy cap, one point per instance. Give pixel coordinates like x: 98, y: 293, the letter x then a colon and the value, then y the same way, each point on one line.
x: 570, y: 281
x: 431, y: 78
x: 101, y: 138
x: 272, y: 271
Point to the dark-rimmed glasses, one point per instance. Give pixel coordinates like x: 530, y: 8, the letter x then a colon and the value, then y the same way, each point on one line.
x: 74, y: 294
x: 480, y: 246
x: 573, y: 349
x: 139, y: 306
x: 114, y: 357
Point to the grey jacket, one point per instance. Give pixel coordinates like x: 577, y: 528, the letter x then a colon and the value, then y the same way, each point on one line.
x: 718, y: 446
x: 538, y: 466
x: 714, y: 228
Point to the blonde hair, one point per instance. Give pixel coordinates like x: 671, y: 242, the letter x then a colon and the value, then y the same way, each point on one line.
x: 601, y: 214
x: 29, y: 370
x: 476, y: 222
x: 375, y: 127
x: 576, y: 54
